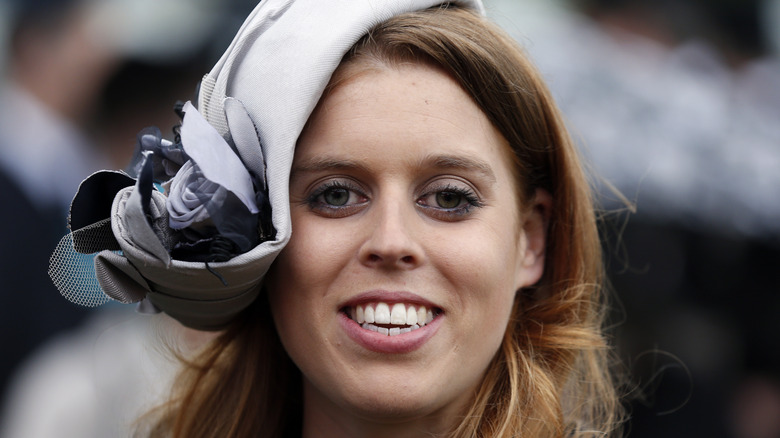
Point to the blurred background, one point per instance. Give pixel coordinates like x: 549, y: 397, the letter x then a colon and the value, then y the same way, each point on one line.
x: 78, y: 80
x: 674, y: 103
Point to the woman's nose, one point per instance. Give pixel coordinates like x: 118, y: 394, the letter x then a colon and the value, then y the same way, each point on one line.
x: 392, y: 241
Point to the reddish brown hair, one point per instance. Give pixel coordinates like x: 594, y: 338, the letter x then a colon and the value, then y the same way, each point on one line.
x: 550, y: 377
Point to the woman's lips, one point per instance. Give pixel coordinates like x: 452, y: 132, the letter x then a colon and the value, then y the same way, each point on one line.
x: 393, y: 323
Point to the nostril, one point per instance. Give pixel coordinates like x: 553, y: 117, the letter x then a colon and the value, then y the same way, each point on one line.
x: 407, y: 259
x: 374, y: 258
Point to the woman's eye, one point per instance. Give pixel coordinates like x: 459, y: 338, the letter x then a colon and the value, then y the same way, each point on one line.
x: 336, y: 196
x: 336, y: 199
x: 448, y: 200
x: 449, y: 203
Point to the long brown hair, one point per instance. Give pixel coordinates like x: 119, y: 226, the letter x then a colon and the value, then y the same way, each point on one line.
x: 551, y: 375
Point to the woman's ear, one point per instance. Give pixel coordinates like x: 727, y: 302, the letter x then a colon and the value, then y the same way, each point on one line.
x: 533, y: 239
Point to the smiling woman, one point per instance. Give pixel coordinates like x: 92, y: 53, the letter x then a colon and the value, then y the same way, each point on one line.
x: 430, y: 187
x: 387, y: 226
x: 439, y: 271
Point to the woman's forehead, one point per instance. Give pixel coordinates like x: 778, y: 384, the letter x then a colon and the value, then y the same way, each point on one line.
x: 412, y: 94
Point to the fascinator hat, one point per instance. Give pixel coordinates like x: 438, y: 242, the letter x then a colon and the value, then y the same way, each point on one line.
x: 194, y: 224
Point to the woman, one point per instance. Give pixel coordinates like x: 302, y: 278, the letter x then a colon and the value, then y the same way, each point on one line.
x: 443, y: 274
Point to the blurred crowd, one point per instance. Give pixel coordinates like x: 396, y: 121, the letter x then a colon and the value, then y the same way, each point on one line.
x: 78, y: 80
x: 674, y: 103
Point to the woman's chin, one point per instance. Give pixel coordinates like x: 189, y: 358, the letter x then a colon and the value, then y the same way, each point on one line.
x: 397, y: 400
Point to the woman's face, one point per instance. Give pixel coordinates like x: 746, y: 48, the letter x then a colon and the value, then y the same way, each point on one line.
x: 407, y: 249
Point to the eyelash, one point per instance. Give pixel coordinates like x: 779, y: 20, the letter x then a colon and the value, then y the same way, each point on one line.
x: 336, y: 211
x: 316, y: 202
x: 450, y: 214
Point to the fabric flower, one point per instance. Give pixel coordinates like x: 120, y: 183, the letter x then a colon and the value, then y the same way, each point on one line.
x: 189, y: 193
x: 212, y: 198
x: 181, y: 207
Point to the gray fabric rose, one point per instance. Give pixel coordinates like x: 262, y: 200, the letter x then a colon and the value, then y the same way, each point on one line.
x: 213, y: 199
x: 189, y: 193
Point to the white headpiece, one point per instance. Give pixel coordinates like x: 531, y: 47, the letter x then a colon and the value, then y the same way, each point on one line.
x: 251, y: 109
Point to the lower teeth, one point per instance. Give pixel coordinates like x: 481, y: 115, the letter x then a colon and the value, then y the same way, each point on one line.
x: 393, y: 331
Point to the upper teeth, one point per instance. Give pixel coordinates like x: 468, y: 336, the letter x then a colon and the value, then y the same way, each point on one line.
x: 399, y: 314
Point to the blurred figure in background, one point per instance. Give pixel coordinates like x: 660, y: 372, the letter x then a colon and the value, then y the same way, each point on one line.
x: 676, y: 103
x: 55, y: 70
x: 80, y: 79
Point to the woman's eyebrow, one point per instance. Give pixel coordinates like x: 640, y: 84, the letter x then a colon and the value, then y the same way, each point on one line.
x: 460, y: 162
x: 320, y: 164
